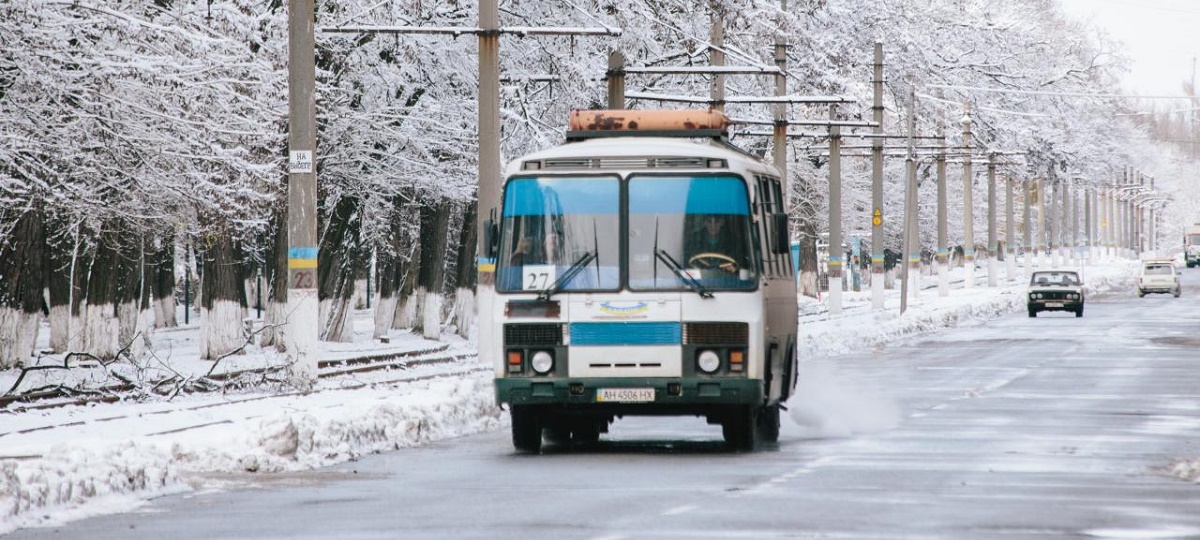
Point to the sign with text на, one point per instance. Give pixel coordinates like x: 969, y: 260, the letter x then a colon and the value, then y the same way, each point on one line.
x: 300, y: 161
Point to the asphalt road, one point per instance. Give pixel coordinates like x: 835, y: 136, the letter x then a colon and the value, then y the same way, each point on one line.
x: 1054, y: 427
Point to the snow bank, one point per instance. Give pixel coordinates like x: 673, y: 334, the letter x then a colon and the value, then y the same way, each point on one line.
x: 90, y: 477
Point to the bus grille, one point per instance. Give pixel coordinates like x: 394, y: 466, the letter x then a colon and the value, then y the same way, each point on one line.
x: 716, y: 333
x: 533, y: 334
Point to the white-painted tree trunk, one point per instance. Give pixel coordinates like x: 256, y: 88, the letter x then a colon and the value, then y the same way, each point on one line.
x: 128, y: 331
x: 464, y: 311
x: 406, y: 315
x: 78, y: 338
x: 60, y: 328
x: 221, y: 329
x: 18, y: 335
x: 274, y: 318
x: 334, y: 317
x: 385, y: 313
x: 432, y: 324
x: 360, y: 294
x: 100, y: 331
x: 164, y: 312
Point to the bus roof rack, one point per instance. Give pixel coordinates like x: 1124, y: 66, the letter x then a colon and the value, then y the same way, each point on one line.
x: 693, y: 123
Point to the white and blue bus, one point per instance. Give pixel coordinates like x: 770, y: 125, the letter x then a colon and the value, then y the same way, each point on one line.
x: 642, y: 268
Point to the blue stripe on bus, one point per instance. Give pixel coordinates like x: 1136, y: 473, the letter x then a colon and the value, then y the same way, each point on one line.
x: 626, y: 333
x: 703, y: 195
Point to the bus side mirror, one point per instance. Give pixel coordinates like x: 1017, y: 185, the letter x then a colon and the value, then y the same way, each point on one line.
x: 780, y: 235
x: 491, y: 238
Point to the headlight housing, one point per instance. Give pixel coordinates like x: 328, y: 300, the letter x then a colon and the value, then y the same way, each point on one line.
x: 542, y: 362
x: 708, y: 361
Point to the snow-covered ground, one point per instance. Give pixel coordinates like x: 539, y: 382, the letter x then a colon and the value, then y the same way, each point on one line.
x: 65, y: 463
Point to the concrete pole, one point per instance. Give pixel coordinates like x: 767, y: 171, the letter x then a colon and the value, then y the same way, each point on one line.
x: 1068, y: 218
x: 716, y: 57
x: 488, y: 183
x: 616, y: 80
x: 943, y: 267
x: 1075, y: 237
x: 877, y: 277
x: 991, y: 217
x: 912, y: 253
x: 1087, y: 225
x: 779, y: 146
x: 1041, y: 261
x: 1027, y: 245
x: 968, y: 203
x: 836, y: 253
x: 1055, y: 224
x: 300, y: 334
x: 1010, y: 231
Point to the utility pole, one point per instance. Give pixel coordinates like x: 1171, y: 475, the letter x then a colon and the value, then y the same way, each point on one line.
x: 836, y: 253
x: 1027, y: 233
x: 912, y: 255
x: 942, y: 254
x: 1041, y: 223
x: 1055, y: 225
x: 968, y: 204
x: 302, y: 326
x: 877, y: 269
x: 1010, y: 231
x: 991, y: 217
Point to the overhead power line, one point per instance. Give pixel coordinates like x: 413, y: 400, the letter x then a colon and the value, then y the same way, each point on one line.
x: 1048, y: 93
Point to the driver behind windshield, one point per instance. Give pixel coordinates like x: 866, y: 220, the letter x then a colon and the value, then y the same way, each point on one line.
x: 713, y: 244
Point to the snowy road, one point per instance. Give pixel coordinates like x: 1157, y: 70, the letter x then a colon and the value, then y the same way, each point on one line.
x: 1017, y: 428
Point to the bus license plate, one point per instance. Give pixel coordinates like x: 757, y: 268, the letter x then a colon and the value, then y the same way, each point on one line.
x: 1054, y: 304
x: 625, y: 395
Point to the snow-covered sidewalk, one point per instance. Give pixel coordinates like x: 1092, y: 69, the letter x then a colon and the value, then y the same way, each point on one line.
x: 65, y: 463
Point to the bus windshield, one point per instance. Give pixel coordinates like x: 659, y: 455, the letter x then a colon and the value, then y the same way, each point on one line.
x: 559, y: 234
x: 690, y: 232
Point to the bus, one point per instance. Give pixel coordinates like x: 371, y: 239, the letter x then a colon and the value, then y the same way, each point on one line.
x: 642, y: 268
x: 1191, y: 245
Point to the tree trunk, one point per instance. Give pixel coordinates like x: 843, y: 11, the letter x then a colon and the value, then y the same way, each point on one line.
x: 22, y: 278
x: 275, y: 270
x: 61, y: 258
x: 409, y: 302
x: 339, y: 255
x: 464, y: 296
x: 81, y: 275
x: 809, y: 285
x: 128, y: 293
x: 161, y: 277
x: 392, y: 263
x: 223, y: 298
x: 100, y: 324
x: 431, y: 277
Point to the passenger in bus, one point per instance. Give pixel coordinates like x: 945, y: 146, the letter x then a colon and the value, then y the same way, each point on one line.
x: 526, y: 254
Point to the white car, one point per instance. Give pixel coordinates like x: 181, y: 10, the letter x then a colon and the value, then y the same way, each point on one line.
x: 1158, y: 276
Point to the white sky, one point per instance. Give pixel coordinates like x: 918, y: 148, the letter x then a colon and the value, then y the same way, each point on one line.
x: 1161, y: 36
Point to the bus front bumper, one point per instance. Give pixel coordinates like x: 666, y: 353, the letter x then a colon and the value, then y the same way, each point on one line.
x: 670, y: 395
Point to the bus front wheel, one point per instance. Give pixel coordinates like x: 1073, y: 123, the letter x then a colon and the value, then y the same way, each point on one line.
x: 526, y: 429
x: 768, y: 423
x: 740, y: 428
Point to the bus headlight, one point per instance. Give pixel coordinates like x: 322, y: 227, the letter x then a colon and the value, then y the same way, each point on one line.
x: 708, y: 361
x: 542, y: 362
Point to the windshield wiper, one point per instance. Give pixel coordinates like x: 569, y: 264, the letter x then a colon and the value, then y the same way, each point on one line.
x: 567, y: 276
x: 683, y: 276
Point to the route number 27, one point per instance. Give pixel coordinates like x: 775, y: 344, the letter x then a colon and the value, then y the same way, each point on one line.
x: 537, y: 277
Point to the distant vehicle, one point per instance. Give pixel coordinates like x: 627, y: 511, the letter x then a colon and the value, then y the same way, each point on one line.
x: 1191, y: 245
x: 1158, y: 276
x: 1055, y: 290
x: 642, y: 268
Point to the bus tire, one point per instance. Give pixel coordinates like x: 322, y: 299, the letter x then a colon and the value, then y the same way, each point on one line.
x: 768, y: 424
x: 740, y: 428
x: 526, y: 429
x: 586, y: 432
